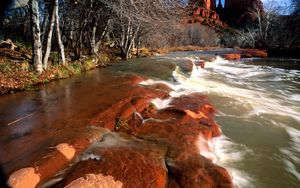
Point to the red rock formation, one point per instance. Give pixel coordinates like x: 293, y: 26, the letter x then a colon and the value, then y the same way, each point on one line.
x: 207, y: 4
x: 200, y: 12
x: 157, y: 148
x: 232, y: 56
x: 90, y: 180
x: 233, y: 12
x: 132, y: 162
x: 248, y: 53
x: 245, y: 53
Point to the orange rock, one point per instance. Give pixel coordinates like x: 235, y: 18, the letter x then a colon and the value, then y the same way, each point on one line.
x: 132, y: 162
x: 195, y: 115
x: 254, y: 53
x: 232, y: 56
x: 96, y: 181
x: 24, y: 178
x: 67, y: 150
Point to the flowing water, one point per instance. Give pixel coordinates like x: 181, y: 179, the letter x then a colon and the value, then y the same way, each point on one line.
x: 258, y: 103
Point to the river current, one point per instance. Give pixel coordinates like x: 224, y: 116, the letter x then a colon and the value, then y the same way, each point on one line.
x: 257, y: 102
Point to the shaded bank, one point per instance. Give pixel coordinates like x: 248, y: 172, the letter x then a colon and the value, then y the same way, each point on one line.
x: 287, y: 53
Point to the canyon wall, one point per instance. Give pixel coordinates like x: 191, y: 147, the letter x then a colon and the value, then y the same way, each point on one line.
x: 233, y: 12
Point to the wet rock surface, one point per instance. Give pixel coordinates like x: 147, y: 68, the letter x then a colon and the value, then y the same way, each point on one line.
x: 126, y: 141
x: 133, y: 162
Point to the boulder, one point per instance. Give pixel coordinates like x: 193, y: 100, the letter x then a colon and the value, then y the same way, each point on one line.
x: 232, y: 56
x: 186, y: 65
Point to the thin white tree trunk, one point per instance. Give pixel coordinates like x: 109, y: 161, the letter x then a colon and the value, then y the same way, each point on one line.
x: 58, y: 35
x: 36, y: 34
x: 49, y: 39
x: 93, y: 38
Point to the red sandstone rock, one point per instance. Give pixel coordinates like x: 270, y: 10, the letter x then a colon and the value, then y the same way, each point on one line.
x: 245, y: 53
x: 67, y: 150
x: 253, y: 53
x: 57, y: 159
x: 232, y: 56
x: 200, y: 64
x: 24, y: 178
x: 235, y: 11
x: 180, y: 133
x: 128, y: 106
x: 173, y: 137
x: 199, y: 12
x: 161, y: 88
x: 97, y: 181
x: 132, y: 162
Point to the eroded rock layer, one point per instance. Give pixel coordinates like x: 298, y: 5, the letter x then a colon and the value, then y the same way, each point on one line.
x: 131, y: 143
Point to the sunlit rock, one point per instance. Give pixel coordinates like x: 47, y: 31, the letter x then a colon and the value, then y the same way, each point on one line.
x: 67, y: 150
x: 95, y: 181
x: 24, y: 178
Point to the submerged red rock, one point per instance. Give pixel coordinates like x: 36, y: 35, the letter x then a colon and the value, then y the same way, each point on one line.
x: 152, y: 148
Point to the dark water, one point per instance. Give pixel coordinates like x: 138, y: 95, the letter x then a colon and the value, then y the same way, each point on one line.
x: 258, y: 104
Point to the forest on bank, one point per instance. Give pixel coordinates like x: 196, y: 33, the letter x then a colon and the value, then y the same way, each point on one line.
x: 69, y: 30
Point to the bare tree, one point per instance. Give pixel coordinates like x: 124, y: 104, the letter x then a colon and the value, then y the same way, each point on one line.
x: 58, y: 34
x: 130, y: 19
x: 49, y: 38
x: 36, y: 33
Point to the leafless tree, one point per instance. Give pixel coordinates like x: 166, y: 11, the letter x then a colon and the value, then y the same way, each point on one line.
x: 36, y: 35
x: 132, y: 17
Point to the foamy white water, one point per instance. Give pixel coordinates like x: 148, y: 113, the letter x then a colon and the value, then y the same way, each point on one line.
x: 259, y: 111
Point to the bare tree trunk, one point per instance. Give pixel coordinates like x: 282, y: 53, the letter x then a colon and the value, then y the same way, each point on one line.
x: 58, y: 34
x: 36, y: 35
x: 44, y: 27
x: 138, y: 47
x: 93, y: 38
x: 49, y: 38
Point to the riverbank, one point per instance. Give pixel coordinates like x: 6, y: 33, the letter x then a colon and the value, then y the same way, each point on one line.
x: 16, y: 73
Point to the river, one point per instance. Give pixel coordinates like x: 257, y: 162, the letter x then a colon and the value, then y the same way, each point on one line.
x: 257, y: 102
